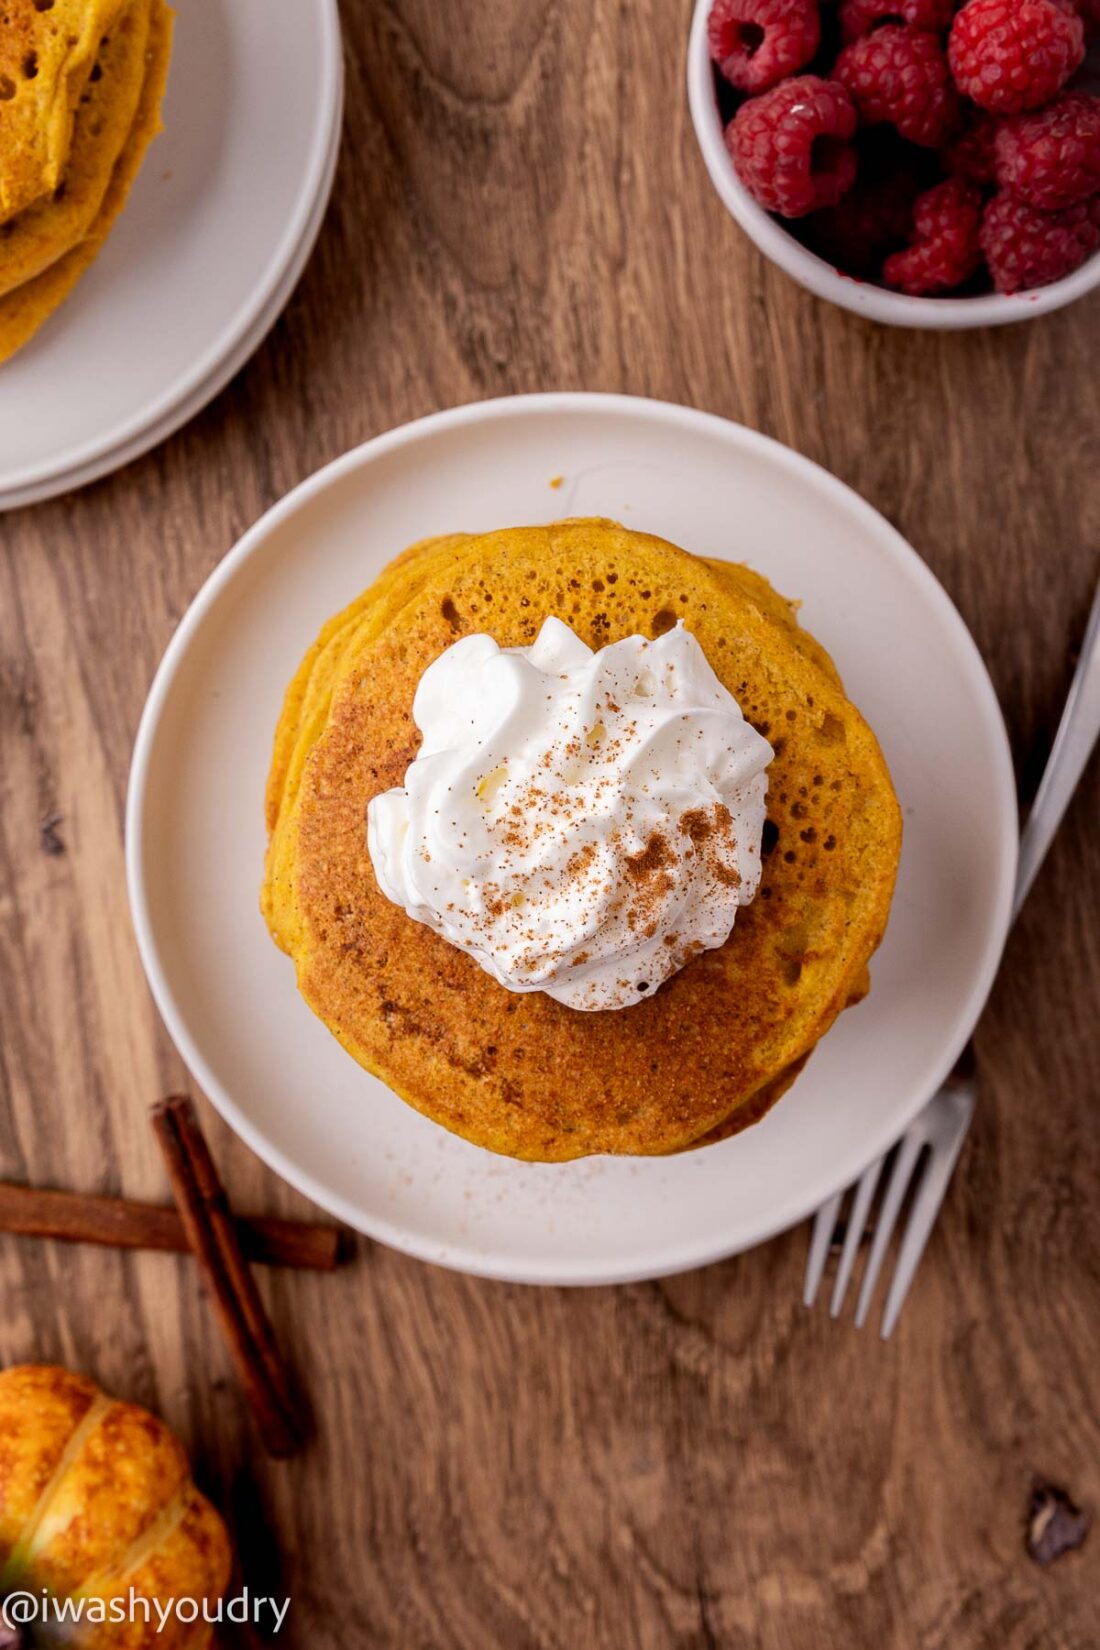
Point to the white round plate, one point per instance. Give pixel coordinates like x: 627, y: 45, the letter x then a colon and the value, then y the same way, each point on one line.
x: 212, y: 241
x: 195, y: 837
x: 178, y: 415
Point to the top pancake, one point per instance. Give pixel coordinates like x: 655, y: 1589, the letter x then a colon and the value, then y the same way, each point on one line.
x: 523, y: 1074
x: 47, y: 49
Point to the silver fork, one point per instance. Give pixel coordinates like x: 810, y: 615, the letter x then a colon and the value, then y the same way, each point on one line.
x: 936, y: 1137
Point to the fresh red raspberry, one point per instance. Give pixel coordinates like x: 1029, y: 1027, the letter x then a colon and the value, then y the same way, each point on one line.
x: 859, y: 17
x: 971, y: 154
x: 900, y: 76
x: 874, y: 218
x: 791, y: 147
x: 1052, y: 158
x: 1026, y: 248
x: 1012, y: 55
x: 757, y: 43
x: 945, y: 250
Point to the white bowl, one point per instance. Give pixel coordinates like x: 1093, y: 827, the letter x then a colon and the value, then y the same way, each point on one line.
x: 994, y: 309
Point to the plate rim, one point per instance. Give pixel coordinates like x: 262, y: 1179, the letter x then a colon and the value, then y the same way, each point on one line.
x: 457, y: 1256
x: 298, y: 237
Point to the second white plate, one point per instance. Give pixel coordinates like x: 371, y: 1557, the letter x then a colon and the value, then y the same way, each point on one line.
x: 195, y: 837
x: 208, y: 250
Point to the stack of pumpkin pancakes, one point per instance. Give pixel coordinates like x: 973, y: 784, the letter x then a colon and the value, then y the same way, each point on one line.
x: 521, y: 1074
x: 81, y: 83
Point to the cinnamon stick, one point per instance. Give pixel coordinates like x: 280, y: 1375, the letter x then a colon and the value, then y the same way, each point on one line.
x: 204, y: 1211
x: 121, y: 1223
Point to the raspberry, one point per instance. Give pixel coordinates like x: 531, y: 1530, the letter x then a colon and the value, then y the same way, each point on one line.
x: 791, y: 147
x: 757, y: 43
x: 971, y: 154
x: 874, y: 218
x: 1012, y: 55
x: 1052, y: 158
x: 859, y: 17
x: 900, y: 76
x: 945, y: 250
x: 1026, y: 248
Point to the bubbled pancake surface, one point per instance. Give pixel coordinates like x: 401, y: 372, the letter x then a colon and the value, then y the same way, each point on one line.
x: 24, y: 310
x: 520, y: 1073
x: 765, y: 1098
x: 47, y: 51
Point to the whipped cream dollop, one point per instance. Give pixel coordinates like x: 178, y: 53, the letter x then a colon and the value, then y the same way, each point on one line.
x: 580, y: 823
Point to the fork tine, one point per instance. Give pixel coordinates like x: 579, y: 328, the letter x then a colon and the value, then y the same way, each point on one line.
x: 857, y: 1220
x: 908, y: 1153
x: 926, y: 1207
x: 824, y: 1226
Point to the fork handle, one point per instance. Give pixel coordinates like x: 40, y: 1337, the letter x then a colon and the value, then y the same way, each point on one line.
x: 1077, y: 734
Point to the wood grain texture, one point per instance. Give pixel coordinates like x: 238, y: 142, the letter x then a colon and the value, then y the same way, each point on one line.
x: 697, y: 1463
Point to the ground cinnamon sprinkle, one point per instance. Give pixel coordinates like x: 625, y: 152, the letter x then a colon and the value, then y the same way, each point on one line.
x: 711, y: 832
x: 590, y: 840
x: 649, y: 875
x: 656, y: 854
x: 581, y: 861
x: 698, y: 825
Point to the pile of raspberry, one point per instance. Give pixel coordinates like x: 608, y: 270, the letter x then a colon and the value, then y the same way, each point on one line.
x: 932, y: 145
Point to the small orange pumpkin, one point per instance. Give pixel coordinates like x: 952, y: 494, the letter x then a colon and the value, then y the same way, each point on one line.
x: 96, y: 1499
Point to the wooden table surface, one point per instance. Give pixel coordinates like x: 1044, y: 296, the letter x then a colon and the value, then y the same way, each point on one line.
x: 698, y: 1462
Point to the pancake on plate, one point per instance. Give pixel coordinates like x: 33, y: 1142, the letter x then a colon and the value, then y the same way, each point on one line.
x: 47, y: 52
x: 45, y: 249
x: 46, y: 230
x: 517, y: 1071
